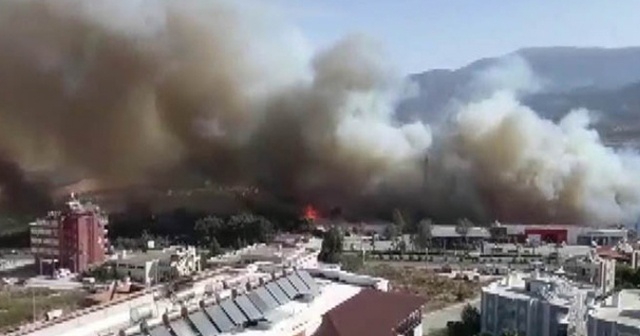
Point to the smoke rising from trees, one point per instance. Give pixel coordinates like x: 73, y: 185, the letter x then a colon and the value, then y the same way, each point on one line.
x: 126, y: 91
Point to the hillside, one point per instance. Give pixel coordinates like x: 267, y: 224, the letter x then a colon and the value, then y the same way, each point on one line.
x: 603, y: 80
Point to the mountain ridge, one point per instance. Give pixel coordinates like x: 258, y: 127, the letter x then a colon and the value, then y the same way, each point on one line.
x: 605, y: 80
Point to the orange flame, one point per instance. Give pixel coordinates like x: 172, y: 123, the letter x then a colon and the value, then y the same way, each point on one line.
x: 310, y: 212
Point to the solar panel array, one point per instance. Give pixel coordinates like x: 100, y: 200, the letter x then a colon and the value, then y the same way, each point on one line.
x: 248, y: 308
x: 287, y: 287
x: 202, y: 323
x: 267, y: 297
x: 277, y: 293
x: 308, y: 280
x: 298, y: 283
x: 235, y: 313
x: 220, y: 318
x: 181, y: 328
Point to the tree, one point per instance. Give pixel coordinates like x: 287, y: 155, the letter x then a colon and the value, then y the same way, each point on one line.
x: 214, y: 248
x: 470, y: 317
x: 207, y: 229
x: 422, y: 237
x: 391, y: 232
x: 469, y: 324
x: 463, y: 227
x: 332, y: 243
x: 399, y: 221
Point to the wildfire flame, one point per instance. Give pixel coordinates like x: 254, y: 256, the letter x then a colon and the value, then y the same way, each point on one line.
x: 310, y: 212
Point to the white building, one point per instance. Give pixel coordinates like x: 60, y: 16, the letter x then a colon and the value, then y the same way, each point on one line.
x: 592, y: 269
x: 283, y: 256
x: 295, y: 304
x: 617, y: 316
x: 157, y: 265
x: 290, y: 304
x: 534, y: 305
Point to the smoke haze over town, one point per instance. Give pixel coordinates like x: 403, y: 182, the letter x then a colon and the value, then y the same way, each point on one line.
x: 131, y: 91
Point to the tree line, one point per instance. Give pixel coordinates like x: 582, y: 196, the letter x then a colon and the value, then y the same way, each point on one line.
x: 132, y: 227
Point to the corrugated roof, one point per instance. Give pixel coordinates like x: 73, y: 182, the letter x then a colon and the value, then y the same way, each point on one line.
x: 370, y: 312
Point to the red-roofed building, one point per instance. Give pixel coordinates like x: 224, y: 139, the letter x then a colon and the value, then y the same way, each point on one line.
x: 374, y: 313
x: 608, y: 252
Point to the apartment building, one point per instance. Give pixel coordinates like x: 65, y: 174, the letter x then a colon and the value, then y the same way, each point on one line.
x: 73, y: 238
x: 542, y: 305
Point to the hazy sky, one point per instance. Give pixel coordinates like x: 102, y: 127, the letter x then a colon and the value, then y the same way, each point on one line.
x: 424, y: 34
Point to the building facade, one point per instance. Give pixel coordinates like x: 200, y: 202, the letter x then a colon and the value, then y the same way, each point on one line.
x: 619, y: 315
x: 533, y: 305
x: 569, y: 234
x: 73, y: 238
x: 155, y: 266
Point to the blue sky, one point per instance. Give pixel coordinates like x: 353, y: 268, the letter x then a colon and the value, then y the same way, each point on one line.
x: 421, y: 35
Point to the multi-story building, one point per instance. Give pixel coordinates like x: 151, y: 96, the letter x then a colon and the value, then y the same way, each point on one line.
x: 73, y: 238
x: 534, y: 305
x: 619, y: 315
x: 593, y: 269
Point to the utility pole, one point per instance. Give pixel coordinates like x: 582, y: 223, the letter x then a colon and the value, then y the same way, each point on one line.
x: 33, y: 304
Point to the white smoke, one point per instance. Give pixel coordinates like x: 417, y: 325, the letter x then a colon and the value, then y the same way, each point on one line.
x: 525, y: 168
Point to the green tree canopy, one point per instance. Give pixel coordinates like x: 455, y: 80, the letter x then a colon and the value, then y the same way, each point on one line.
x: 332, y: 244
x: 422, y: 237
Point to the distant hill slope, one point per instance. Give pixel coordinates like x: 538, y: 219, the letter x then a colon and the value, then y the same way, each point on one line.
x: 606, y: 80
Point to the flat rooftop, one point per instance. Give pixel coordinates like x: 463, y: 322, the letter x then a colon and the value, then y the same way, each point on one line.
x: 562, y: 291
x: 276, y: 306
x: 627, y: 312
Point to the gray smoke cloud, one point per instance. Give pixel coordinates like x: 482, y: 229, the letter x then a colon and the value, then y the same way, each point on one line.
x: 500, y: 160
x: 126, y: 90
x: 130, y: 91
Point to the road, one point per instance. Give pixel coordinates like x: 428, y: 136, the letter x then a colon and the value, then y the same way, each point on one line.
x: 438, y: 319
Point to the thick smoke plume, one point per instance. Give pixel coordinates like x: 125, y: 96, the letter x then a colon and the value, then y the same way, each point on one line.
x: 19, y: 195
x: 126, y: 90
x: 129, y: 91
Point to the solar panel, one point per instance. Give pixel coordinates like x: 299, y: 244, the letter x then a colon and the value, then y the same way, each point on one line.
x: 258, y: 302
x: 298, y: 284
x: 233, y: 311
x: 308, y: 280
x: 287, y: 287
x: 181, y: 328
x: 220, y: 318
x: 248, y: 308
x: 267, y: 297
x: 202, y: 323
x: 159, y: 331
x: 277, y: 293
